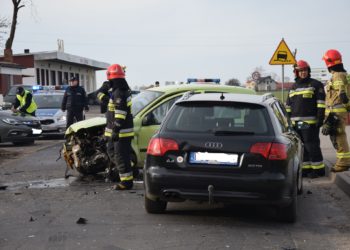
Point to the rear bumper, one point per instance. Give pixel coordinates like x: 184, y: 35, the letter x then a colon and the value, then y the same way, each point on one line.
x: 178, y: 185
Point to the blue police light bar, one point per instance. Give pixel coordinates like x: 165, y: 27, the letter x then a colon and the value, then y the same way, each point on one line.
x: 191, y: 80
x: 37, y: 87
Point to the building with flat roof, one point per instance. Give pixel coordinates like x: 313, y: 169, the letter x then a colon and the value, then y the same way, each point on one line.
x: 56, y: 68
x: 10, y: 73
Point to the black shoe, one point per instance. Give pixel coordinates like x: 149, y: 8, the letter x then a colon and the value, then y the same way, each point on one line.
x: 320, y: 172
x: 306, y: 172
x: 313, y: 175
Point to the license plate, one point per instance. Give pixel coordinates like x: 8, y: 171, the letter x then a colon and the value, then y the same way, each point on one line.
x: 36, y: 131
x: 213, y: 158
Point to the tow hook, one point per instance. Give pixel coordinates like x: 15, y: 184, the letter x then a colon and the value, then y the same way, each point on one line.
x: 211, y: 192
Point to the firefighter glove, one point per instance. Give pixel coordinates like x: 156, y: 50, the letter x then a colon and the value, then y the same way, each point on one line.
x: 326, y: 129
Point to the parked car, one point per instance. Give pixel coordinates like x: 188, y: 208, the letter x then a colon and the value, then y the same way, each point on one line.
x: 18, y: 128
x: 149, y: 107
x: 225, y: 148
x: 52, y: 118
x: 10, y: 96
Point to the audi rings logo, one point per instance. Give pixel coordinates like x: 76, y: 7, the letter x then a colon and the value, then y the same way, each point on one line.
x: 211, y: 144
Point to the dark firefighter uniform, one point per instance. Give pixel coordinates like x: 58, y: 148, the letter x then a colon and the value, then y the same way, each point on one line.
x: 305, y: 105
x: 337, y: 103
x: 25, y: 101
x: 120, y: 127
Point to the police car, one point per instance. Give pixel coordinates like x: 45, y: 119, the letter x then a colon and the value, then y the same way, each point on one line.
x: 49, y: 100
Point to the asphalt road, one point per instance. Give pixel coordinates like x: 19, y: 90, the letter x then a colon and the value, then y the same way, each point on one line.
x: 39, y: 209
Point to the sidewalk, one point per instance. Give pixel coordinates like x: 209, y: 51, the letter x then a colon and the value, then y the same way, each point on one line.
x: 342, y: 179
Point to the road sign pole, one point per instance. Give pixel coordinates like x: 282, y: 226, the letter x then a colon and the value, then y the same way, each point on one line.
x: 282, y: 83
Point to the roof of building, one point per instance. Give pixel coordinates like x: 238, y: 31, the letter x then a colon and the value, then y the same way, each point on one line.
x: 59, y: 56
x: 11, y: 65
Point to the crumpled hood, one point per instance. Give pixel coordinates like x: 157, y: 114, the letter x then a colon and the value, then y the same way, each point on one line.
x: 89, y: 123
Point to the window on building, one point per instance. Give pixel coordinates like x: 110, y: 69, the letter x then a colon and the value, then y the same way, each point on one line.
x: 53, y: 77
x: 38, y: 76
x: 42, y: 82
x: 65, y: 80
x: 59, y: 79
x: 82, y: 80
x: 47, y: 77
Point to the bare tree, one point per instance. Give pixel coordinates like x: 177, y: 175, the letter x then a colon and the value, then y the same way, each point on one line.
x: 233, y: 82
x: 4, y: 24
x: 17, y: 5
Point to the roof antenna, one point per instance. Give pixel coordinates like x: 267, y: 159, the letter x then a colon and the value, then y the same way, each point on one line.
x: 222, y: 97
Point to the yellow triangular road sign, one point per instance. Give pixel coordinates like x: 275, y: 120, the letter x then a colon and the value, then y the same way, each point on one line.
x: 282, y: 55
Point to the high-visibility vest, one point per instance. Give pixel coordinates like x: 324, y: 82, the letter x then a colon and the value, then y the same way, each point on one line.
x: 22, y: 100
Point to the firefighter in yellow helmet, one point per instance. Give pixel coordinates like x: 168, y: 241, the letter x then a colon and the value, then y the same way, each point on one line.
x: 24, y: 101
x: 337, y: 106
x: 119, y: 129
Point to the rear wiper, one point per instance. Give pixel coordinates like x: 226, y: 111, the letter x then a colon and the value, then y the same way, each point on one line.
x: 228, y: 132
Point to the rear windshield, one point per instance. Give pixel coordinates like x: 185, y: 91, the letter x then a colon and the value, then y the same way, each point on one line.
x: 142, y: 99
x: 225, y: 118
x: 48, y: 101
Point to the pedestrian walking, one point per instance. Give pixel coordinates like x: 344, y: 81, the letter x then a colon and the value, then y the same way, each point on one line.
x: 337, y: 107
x: 74, y: 101
x: 306, y: 106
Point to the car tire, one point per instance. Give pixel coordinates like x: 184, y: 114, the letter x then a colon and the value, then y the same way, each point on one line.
x: 289, y: 213
x: 155, y: 207
x: 300, y: 182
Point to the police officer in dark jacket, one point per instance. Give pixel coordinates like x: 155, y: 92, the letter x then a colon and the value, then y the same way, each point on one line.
x: 120, y: 127
x: 306, y: 107
x: 74, y: 101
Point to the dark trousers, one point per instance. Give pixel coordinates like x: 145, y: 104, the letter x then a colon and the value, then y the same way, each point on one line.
x: 74, y: 116
x: 311, y: 140
x: 119, y: 152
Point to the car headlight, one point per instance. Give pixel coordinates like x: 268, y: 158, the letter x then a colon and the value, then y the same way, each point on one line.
x: 61, y: 118
x: 11, y: 121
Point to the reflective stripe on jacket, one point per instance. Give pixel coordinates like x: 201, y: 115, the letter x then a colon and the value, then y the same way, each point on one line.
x: 306, y: 101
x: 119, y: 117
x: 22, y: 100
x: 337, y: 85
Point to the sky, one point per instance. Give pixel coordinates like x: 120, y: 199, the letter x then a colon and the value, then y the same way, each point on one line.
x: 172, y: 40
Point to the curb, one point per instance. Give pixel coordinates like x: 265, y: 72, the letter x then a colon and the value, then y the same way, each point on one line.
x: 342, y: 180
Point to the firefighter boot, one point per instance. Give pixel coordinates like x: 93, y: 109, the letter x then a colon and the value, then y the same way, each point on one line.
x: 336, y: 168
x: 124, y: 185
x: 306, y: 172
x: 315, y: 173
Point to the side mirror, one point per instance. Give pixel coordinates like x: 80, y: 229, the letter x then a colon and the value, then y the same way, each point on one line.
x: 148, y: 120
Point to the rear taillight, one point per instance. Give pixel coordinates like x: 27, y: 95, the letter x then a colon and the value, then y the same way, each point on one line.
x: 271, y: 151
x: 159, y: 146
x: 278, y: 151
